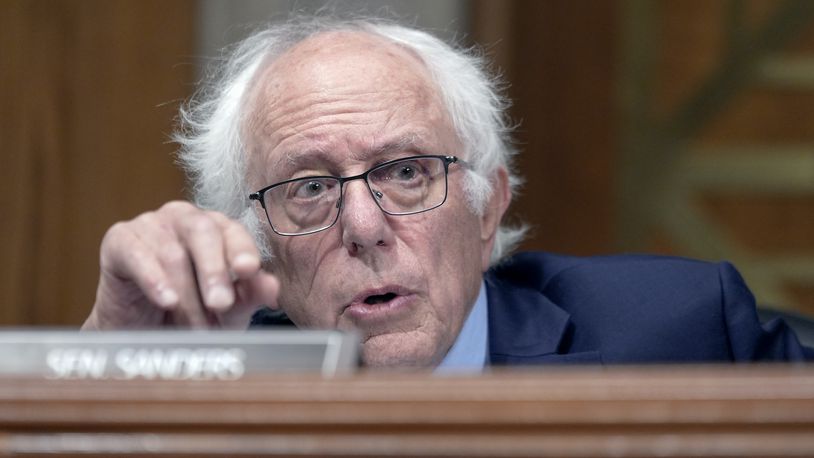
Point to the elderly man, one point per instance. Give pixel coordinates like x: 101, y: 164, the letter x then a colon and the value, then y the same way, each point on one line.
x: 353, y: 174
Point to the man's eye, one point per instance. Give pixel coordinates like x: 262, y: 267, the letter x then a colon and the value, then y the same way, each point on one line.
x: 309, y: 189
x: 404, y: 172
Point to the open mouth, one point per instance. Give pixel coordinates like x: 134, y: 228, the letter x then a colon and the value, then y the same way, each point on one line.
x: 380, y: 304
x: 380, y: 298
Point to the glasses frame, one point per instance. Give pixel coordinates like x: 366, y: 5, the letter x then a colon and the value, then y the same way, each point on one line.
x: 447, y: 160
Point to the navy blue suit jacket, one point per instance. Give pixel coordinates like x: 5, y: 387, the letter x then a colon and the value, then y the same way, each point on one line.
x: 546, y: 308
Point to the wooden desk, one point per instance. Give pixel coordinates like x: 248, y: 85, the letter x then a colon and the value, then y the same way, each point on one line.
x: 586, y: 412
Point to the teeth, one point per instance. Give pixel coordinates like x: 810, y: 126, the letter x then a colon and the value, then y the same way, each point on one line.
x: 380, y: 298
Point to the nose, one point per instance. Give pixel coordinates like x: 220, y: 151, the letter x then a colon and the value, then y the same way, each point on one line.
x: 364, y: 225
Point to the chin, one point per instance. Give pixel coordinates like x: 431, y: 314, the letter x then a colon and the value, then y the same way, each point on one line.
x: 399, y: 350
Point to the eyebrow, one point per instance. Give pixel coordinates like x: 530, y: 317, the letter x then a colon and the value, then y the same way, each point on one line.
x: 404, y: 142
x: 293, y: 160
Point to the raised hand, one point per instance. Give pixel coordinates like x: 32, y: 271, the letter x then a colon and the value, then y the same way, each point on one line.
x: 179, y: 266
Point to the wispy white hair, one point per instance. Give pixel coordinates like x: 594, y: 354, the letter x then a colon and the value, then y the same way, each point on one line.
x: 211, y: 125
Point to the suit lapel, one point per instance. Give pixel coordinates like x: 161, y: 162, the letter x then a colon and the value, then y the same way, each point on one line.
x: 526, y: 328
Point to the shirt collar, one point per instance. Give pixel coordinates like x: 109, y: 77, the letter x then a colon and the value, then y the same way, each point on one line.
x: 469, y: 353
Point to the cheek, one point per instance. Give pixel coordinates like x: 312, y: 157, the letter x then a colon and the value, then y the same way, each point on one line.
x: 293, y: 266
x: 448, y: 250
x: 459, y: 233
x: 305, y: 281
x: 297, y: 257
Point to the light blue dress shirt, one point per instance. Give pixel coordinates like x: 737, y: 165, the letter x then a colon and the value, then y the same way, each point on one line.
x: 470, y: 352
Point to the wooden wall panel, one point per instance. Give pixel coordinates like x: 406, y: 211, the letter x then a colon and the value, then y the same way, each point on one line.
x: 89, y: 91
x: 768, y: 121
x: 601, y: 90
x: 559, y: 58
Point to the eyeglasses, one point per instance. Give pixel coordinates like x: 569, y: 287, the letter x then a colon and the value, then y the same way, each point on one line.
x: 401, y: 187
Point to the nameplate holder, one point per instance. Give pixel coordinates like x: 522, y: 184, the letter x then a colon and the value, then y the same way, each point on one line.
x: 174, y: 355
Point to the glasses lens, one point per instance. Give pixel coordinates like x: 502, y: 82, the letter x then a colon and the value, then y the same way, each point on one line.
x: 410, y: 185
x: 302, y: 206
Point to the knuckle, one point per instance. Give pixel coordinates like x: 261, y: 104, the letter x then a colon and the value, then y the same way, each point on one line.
x: 234, y: 228
x: 200, y: 223
x: 150, y: 282
x: 177, y: 206
x: 173, y: 255
x: 146, y: 219
x: 115, y: 235
x: 227, y: 225
x: 217, y: 216
x: 124, y: 229
x: 116, y: 230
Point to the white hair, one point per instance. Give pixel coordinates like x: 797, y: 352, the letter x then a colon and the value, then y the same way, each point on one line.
x: 213, y: 154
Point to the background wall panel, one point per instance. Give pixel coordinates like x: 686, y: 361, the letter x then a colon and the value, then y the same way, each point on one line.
x: 625, y: 146
x: 676, y: 127
x: 89, y: 93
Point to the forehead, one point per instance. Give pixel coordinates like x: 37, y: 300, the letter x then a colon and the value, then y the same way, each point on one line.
x: 348, y: 90
x: 340, y: 61
x: 324, y: 54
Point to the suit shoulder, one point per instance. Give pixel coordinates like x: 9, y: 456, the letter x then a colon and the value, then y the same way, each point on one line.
x: 643, y: 307
x: 538, y: 269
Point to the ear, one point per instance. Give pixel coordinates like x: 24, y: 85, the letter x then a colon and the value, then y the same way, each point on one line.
x: 493, y: 213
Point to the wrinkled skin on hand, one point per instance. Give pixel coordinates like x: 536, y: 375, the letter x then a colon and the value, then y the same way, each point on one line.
x: 179, y: 266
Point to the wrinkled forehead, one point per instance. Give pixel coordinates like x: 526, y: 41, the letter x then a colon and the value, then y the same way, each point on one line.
x: 333, y: 65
